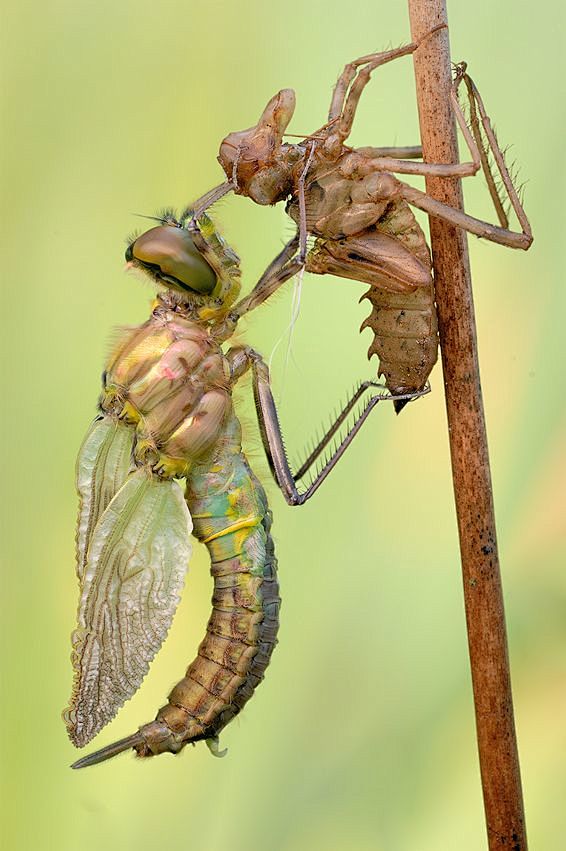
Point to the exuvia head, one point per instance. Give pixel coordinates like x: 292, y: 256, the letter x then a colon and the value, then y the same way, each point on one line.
x: 191, y: 259
x: 252, y: 157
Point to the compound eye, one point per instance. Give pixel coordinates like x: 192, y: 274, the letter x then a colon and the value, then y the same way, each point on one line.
x: 171, y: 253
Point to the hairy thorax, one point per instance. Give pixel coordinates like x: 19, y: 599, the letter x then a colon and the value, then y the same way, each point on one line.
x: 170, y: 380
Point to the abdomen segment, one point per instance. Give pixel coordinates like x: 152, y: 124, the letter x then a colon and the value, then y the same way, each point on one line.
x: 405, y: 336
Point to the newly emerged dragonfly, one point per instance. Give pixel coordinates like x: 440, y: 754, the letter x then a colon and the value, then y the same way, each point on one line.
x: 167, y: 414
x: 359, y: 213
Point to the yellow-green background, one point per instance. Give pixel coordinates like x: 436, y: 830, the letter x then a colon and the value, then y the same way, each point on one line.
x: 362, y: 736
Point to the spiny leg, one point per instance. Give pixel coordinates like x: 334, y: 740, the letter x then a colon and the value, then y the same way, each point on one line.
x: 398, y: 400
x: 460, y: 70
x: 344, y: 103
x: 272, y: 439
x: 502, y: 235
x: 351, y: 83
x: 405, y: 152
x: 475, y: 100
x: 340, y: 91
x: 303, y: 231
x: 363, y: 161
x: 362, y: 165
x: 202, y: 204
x: 280, y: 270
x: 241, y: 360
x: 283, y: 267
x: 475, y: 143
x: 484, y: 230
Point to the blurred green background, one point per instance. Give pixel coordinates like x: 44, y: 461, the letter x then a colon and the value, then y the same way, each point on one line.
x: 362, y: 736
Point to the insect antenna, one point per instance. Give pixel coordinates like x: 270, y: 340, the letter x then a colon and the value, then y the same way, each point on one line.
x: 151, y: 218
x: 165, y: 216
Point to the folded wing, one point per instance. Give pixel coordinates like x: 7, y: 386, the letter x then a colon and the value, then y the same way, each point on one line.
x: 103, y: 465
x: 133, y: 574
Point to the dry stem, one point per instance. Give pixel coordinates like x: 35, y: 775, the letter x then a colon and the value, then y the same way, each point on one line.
x: 499, y: 762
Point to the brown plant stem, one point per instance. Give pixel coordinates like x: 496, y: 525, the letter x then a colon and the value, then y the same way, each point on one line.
x: 499, y: 761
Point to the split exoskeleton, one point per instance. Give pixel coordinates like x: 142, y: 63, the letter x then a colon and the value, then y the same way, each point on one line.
x: 359, y: 213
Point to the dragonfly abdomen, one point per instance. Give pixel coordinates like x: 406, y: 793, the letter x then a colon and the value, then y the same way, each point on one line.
x: 231, y: 517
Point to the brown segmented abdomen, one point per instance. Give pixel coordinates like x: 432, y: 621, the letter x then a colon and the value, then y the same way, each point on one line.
x: 405, y: 336
x: 404, y: 323
x: 378, y: 242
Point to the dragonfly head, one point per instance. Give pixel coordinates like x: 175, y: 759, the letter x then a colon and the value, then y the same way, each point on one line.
x: 168, y: 254
x: 252, y: 158
x: 192, y: 260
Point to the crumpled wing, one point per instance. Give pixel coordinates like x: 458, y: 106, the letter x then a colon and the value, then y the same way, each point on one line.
x: 103, y: 465
x: 135, y: 570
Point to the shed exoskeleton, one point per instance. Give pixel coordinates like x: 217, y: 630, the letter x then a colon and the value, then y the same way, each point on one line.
x: 359, y: 213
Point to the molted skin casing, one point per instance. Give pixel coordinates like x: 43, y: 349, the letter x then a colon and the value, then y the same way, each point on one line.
x: 253, y: 154
x: 364, y: 230
x: 367, y: 234
x: 168, y: 413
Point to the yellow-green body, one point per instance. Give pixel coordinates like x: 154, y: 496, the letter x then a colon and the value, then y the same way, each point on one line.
x: 167, y: 414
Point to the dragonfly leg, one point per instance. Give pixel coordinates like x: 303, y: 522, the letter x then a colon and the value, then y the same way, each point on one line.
x: 280, y: 270
x: 201, y: 205
x: 405, y: 152
x: 400, y: 399
x: 242, y: 359
x: 479, y: 227
x: 303, y: 230
x: 352, y: 82
x: 481, y: 130
x: 362, y: 161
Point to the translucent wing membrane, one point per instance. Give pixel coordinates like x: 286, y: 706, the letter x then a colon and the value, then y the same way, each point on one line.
x: 103, y: 465
x: 134, y: 572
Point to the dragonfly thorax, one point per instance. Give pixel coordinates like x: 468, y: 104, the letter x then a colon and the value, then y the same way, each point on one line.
x: 170, y: 380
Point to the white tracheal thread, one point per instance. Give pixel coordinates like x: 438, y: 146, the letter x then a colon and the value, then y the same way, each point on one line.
x: 288, y: 332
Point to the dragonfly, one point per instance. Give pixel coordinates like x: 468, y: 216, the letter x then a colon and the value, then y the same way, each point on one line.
x: 166, y: 415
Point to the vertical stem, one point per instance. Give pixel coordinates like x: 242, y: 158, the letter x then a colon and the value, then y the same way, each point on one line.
x: 487, y: 640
